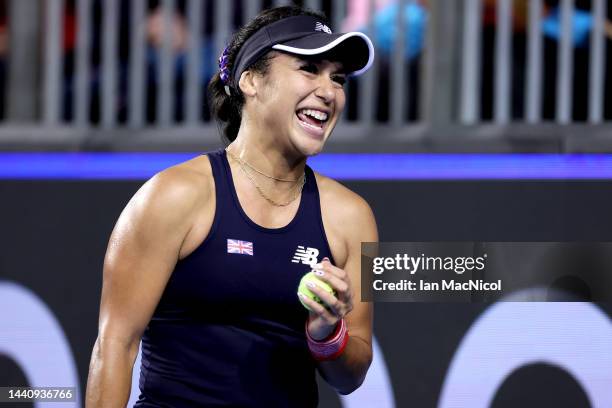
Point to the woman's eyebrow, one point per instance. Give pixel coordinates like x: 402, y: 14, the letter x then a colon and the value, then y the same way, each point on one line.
x: 340, y: 69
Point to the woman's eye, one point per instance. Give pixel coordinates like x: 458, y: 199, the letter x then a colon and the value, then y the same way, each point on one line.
x: 309, y: 68
x: 339, y: 79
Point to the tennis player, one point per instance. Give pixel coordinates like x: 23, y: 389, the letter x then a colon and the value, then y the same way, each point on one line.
x: 204, y: 263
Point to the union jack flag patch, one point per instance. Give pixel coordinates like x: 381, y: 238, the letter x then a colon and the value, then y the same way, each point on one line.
x: 236, y: 246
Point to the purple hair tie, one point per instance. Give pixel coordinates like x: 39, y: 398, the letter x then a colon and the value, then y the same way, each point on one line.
x: 224, y: 72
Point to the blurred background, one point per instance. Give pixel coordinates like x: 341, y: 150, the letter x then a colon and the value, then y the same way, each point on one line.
x: 481, y: 120
x: 466, y: 75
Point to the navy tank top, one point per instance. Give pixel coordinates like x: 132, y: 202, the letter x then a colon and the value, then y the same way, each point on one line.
x: 229, y: 328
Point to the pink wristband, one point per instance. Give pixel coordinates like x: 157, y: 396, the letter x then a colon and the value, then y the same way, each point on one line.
x: 330, y: 348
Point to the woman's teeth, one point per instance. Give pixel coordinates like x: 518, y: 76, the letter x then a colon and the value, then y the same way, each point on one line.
x: 318, y: 115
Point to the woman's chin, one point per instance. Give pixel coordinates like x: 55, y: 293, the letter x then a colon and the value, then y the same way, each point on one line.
x: 310, y: 147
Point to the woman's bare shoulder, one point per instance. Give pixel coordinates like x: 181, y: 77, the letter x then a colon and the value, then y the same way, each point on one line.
x: 190, y: 179
x: 340, y: 200
x: 179, y: 189
x: 347, y: 218
x: 195, y: 174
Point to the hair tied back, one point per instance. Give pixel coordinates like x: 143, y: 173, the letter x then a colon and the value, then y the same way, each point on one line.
x: 224, y: 72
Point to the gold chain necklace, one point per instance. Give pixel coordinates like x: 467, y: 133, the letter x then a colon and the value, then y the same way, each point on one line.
x: 298, y: 185
x: 245, y: 163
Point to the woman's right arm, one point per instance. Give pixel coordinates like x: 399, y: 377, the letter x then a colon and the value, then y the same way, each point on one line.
x: 142, y: 252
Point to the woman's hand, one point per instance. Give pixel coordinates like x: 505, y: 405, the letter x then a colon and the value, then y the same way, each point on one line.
x: 322, y: 320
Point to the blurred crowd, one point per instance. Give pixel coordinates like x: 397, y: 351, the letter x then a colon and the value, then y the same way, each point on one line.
x: 384, y: 23
x: 154, y: 34
x: 582, y: 25
x: 415, y: 17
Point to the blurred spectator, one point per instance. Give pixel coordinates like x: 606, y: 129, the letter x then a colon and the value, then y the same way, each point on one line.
x: 385, y: 24
x: 414, y: 15
x: 155, y: 30
x: 180, y: 48
x: 581, y: 27
x: 582, y: 24
x: 358, y: 13
x: 154, y: 37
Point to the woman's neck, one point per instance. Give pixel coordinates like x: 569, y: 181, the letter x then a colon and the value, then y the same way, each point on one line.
x: 266, y: 156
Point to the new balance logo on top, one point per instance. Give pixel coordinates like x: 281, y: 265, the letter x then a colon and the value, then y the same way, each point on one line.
x: 307, y: 256
x: 322, y: 27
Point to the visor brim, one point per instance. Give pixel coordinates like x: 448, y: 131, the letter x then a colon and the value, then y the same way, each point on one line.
x: 354, y: 50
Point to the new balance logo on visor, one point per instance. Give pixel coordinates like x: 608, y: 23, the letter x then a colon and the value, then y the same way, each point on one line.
x: 236, y: 246
x: 322, y: 27
x: 307, y: 256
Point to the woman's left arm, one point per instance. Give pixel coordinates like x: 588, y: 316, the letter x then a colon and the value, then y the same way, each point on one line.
x: 346, y: 372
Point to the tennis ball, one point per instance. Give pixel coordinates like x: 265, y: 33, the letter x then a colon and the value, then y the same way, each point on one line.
x: 303, y: 289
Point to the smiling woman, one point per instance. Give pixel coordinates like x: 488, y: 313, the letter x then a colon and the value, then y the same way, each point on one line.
x: 205, y: 261
x: 288, y: 94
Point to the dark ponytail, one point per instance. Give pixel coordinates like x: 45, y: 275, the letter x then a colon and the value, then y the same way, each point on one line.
x: 227, y: 109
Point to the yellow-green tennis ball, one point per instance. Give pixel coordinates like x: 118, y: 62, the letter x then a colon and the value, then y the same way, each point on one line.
x: 304, y: 290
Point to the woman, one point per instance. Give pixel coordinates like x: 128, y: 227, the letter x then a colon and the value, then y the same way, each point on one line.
x: 204, y: 262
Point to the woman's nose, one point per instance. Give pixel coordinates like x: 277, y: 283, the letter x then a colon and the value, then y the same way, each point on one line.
x: 325, y: 90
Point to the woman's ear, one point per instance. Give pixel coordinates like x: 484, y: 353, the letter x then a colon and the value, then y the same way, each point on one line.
x: 247, y: 83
